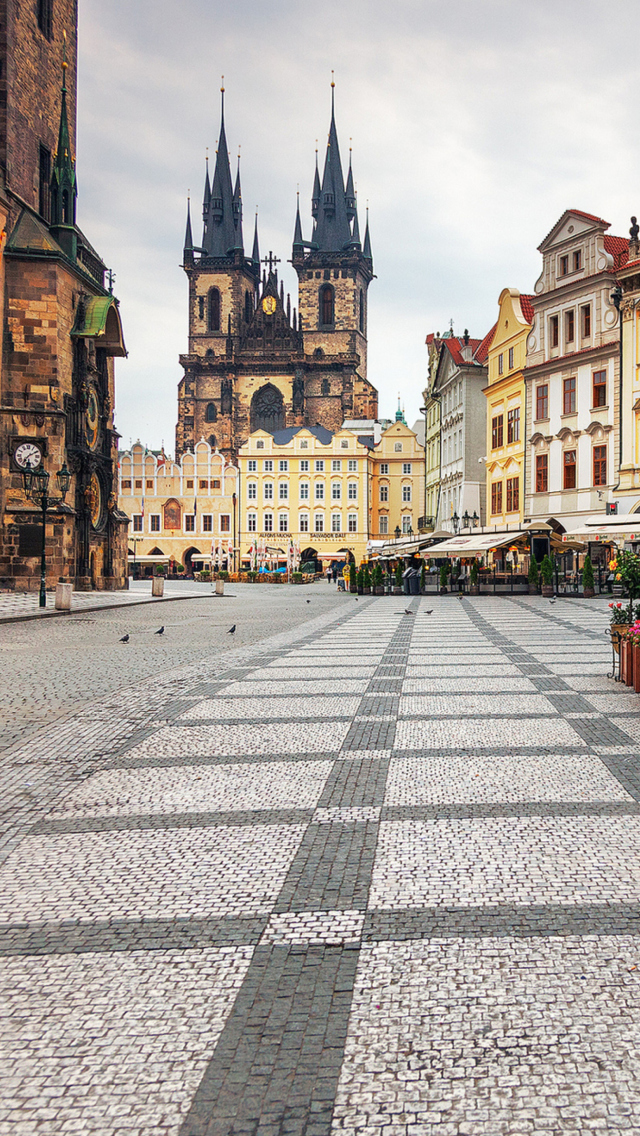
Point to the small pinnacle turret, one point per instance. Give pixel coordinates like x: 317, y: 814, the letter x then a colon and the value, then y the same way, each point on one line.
x: 366, y: 248
x: 64, y: 190
x: 188, y: 237
x: 297, y: 234
x: 255, y: 254
x: 237, y: 210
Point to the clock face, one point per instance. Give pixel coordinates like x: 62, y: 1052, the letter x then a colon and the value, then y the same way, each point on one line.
x: 27, y: 455
x: 269, y: 305
x: 92, y: 418
x: 95, y: 501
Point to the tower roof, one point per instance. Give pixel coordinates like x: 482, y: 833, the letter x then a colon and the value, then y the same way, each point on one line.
x: 237, y: 210
x: 63, y: 178
x: 255, y: 254
x: 297, y: 234
x: 333, y: 231
x: 220, y: 229
x: 188, y: 236
x: 366, y: 248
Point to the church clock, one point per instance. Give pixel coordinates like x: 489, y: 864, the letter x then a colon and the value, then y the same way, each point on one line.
x: 92, y: 418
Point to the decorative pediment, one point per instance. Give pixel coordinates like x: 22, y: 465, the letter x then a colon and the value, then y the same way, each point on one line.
x: 572, y: 225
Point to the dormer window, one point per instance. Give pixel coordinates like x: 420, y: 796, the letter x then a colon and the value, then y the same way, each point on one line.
x: 564, y: 265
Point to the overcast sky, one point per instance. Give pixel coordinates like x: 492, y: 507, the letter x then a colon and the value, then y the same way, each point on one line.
x: 474, y: 124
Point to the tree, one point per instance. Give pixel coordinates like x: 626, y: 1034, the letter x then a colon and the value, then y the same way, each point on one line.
x: 533, y: 573
x: 546, y: 571
x: 587, y: 573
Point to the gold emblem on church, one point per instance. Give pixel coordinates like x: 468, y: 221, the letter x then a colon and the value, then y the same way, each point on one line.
x: 269, y: 305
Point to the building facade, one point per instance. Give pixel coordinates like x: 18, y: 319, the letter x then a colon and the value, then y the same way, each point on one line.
x: 572, y: 373
x: 253, y: 362
x: 184, y: 513
x: 397, y: 482
x: 625, y: 495
x: 432, y: 434
x: 61, y: 324
x: 505, y: 410
x: 459, y: 376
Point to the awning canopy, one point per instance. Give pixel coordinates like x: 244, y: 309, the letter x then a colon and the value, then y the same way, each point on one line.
x: 395, y: 548
x: 98, y: 318
x: 475, y: 544
x: 149, y: 559
x: 605, y: 533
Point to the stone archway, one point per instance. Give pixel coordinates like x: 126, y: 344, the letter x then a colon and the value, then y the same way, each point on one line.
x: 267, y: 410
x: 187, y: 558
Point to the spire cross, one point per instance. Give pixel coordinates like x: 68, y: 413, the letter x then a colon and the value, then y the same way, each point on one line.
x: 271, y: 260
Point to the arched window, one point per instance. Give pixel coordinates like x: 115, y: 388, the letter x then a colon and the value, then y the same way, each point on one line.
x: 212, y: 441
x: 248, y: 306
x: 267, y: 410
x: 326, y: 305
x: 325, y: 387
x: 211, y: 413
x: 214, y: 309
x: 361, y: 313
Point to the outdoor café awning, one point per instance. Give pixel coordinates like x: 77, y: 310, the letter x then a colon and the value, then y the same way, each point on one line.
x: 474, y: 544
x: 149, y: 559
x: 395, y: 548
x: 605, y: 533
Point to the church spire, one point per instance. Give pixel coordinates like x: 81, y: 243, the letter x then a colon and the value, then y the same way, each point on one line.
x: 366, y: 250
x: 64, y: 188
x: 315, y: 198
x: 255, y: 255
x: 333, y: 231
x: 237, y: 210
x: 355, y: 236
x: 220, y: 235
x: 187, y: 257
x: 206, y: 197
x: 297, y: 234
x: 350, y: 196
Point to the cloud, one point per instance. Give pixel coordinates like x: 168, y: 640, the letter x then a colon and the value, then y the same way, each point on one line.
x: 475, y: 123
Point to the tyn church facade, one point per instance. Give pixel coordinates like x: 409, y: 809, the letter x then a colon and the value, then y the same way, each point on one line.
x: 253, y: 362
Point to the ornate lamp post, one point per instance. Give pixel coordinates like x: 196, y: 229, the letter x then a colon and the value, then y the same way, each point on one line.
x: 455, y: 520
x: 36, y: 487
x: 397, y: 532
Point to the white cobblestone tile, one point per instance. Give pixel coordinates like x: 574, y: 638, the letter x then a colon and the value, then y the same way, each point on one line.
x: 195, y: 872
x: 307, y: 706
x: 339, y: 815
x: 197, y: 788
x: 272, y: 740
x: 493, y: 1037
x: 462, y: 683
x: 426, y: 780
x: 322, y: 685
x: 333, y: 928
x: 474, y: 705
x: 449, y: 735
x: 452, y: 669
x: 283, y: 671
x: 117, y: 1042
x: 515, y: 860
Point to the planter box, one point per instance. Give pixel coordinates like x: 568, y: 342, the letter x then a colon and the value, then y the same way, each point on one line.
x: 398, y: 591
x: 378, y: 590
x: 627, y: 654
x: 474, y: 590
x: 588, y: 593
x: 547, y: 590
x: 157, y: 586
x: 353, y: 588
x: 366, y: 591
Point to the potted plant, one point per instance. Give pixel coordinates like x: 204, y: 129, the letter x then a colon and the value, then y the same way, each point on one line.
x: 366, y: 581
x: 397, y: 587
x: 360, y: 580
x: 423, y: 578
x: 353, y: 582
x: 546, y: 571
x: 296, y: 577
x: 534, y: 575
x: 157, y: 583
x: 253, y: 575
x: 444, y: 572
x: 626, y: 569
x: 474, y: 588
x: 376, y: 579
x: 588, y: 585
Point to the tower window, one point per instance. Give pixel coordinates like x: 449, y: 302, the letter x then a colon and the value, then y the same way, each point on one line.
x: 44, y: 182
x: 248, y: 306
x: 327, y: 305
x: 325, y: 387
x: 45, y: 17
x: 214, y: 309
x: 201, y: 307
x: 361, y: 311
x: 211, y: 413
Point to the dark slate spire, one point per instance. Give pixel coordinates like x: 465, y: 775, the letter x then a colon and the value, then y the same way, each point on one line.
x: 237, y: 210
x: 315, y: 199
x: 355, y: 236
x: 350, y: 196
x: 220, y: 235
x: 206, y: 197
x: 64, y: 189
x: 366, y: 251
x: 255, y: 255
x: 333, y: 230
x: 297, y: 234
x: 188, y: 237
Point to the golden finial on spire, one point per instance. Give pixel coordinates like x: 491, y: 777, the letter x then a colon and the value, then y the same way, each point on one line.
x: 222, y: 87
x: 64, y: 51
x: 332, y: 79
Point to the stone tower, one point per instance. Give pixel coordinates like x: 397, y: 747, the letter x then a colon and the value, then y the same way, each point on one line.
x: 252, y: 363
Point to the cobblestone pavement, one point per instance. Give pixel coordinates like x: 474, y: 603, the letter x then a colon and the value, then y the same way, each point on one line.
x: 376, y: 873
x: 25, y: 605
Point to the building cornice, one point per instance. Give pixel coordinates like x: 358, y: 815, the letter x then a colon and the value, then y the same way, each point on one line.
x: 566, y: 362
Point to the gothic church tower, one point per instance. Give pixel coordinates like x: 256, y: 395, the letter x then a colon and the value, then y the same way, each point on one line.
x: 252, y: 362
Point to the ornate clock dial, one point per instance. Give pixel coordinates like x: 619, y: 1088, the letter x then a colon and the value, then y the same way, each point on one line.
x: 269, y: 305
x: 92, y: 418
x: 95, y: 501
x: 27, y: 455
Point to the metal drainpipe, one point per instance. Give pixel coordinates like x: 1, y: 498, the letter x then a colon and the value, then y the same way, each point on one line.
x: 616, y: 296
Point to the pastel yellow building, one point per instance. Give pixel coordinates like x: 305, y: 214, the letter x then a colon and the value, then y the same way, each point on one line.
x: 505, y: 394
x: 306, y: 486
x: 397, y: 482
x: 182, y: 513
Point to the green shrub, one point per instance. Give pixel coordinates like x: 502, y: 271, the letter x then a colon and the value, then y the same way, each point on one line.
x: 376, y: 576
x: 159, y: 570
x: 444, y: 572
x: 533, y: 572
x: 473, y: 574
x: 297, y: 577
x: 399, y: 574
x: 367, y: 576
x: 423, y: 576
x: 587, y: 573
x: 223, y: 575
x: 546, y: 571
x: 352, y: 575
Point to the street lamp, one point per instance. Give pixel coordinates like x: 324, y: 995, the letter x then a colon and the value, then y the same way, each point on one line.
x: 456, y: 522
x: 36, y: 487
x: 397, y: 532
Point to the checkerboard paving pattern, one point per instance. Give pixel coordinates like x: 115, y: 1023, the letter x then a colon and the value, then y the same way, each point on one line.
x: 383, y: 877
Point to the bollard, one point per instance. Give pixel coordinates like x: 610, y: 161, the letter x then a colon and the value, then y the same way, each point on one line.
x: 63, y: 597
x: 157, y: 586
x: 219, y: 587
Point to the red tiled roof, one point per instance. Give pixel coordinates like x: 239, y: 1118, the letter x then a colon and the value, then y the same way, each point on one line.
x: 454, y: 345
x: 482, y: 354
x: 527, y: 307
x: 589, y: 216
x: 618, y: 247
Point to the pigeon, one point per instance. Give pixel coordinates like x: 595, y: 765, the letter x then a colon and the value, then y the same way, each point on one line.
x: 430, y: 612
x: 308, y: 601
x: 160, y: 630
x: 231, y: 630
x: 552, y: 601
x: 407, y: 612
x: 125, y: 639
